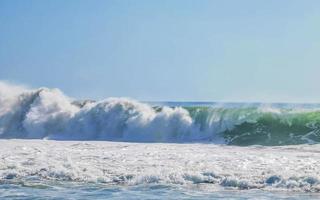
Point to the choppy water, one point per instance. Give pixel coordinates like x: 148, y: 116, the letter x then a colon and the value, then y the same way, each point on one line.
x: 92, y: 191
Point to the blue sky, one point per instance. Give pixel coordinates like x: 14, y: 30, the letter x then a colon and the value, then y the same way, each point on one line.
x: 230, y: 50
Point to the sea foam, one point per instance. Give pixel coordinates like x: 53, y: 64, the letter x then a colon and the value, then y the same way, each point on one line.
x: 213, y: 167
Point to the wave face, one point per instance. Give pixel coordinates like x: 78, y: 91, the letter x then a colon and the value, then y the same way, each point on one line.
x: 48, y: 113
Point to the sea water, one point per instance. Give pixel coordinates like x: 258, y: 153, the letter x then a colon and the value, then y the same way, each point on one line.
x: 91, y: 191
x: 56, y: 147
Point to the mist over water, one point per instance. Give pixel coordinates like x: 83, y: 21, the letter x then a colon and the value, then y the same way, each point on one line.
x: 50, y: 114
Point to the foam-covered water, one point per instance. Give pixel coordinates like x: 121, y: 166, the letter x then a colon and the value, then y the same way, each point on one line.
x: 48, y: 113
x: 148, y: 168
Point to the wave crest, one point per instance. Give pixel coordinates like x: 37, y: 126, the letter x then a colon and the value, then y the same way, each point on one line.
x: 48, y: 113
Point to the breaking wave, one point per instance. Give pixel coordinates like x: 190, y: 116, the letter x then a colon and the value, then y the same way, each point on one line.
x: 48, y: 113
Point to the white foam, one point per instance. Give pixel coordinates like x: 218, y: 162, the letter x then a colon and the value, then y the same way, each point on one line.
x: 48, y: 113
x: 290, y: 168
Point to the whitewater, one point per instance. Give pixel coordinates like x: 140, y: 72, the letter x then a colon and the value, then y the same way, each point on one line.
x: 56, y: 147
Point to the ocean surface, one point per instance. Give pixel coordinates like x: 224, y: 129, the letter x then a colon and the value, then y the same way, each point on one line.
x: 56, y: 147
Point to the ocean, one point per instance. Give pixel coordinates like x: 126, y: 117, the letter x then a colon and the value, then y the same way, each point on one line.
x: 55, y: 147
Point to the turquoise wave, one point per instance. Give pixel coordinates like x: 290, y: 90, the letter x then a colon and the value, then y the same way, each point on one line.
x: 260, y: 126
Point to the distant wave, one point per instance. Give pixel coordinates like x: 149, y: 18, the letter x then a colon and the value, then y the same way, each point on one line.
x: 48, y: 113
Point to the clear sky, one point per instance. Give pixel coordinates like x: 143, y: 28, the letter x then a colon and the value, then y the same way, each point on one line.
x: 197, y: 50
